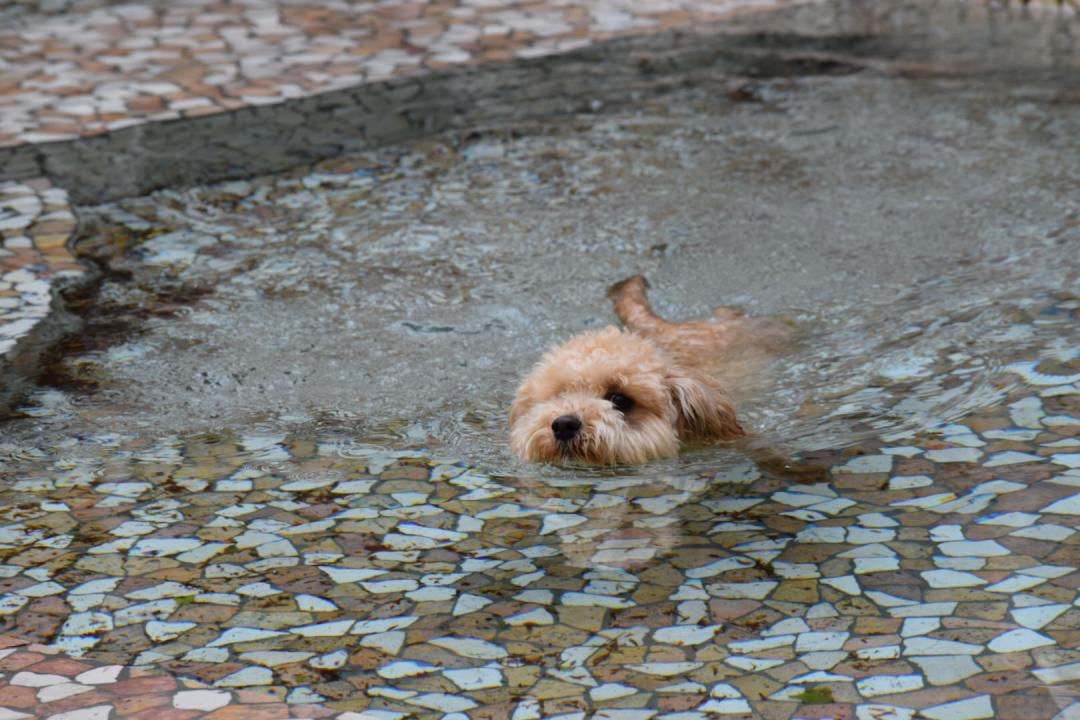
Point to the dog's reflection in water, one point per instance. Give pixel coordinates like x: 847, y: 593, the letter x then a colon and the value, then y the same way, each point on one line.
x: 625, y: 523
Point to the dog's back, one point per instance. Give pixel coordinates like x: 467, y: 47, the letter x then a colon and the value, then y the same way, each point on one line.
x: 729, y: 346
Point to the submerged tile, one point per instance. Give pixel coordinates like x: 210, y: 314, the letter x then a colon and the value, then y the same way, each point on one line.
x: 888, y: 684
x: 968, y: 709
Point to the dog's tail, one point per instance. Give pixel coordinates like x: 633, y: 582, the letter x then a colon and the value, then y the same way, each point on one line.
x: 632, y: 305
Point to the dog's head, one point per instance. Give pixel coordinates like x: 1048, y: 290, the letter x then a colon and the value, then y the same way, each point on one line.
x: 611, y: 397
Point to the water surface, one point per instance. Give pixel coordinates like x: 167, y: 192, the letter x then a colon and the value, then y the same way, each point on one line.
x: 277, y: 456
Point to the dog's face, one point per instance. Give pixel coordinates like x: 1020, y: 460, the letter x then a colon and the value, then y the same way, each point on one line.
x: 611, y: 397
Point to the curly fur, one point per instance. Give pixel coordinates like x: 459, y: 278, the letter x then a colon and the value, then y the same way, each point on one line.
x: 664, y: 367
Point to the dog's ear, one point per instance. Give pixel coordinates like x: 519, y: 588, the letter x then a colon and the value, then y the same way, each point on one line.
x: 517, y: 409
x: 705, y: 412
x: 525, y: 399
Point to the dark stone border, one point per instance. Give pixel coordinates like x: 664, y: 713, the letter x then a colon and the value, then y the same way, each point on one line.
x: 269, y: 138
x: 831, y: 37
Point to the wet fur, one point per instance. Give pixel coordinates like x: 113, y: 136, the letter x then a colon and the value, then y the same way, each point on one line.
x: 669, y: 369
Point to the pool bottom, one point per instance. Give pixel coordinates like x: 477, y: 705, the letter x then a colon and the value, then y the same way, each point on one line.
x: 935, y: 574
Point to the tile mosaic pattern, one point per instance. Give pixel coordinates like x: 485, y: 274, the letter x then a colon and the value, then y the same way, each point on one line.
x: 35, y: 225
x: 915, y: 582
x: 935, y: 576
x: 96, y: 69
x: 38, y: 681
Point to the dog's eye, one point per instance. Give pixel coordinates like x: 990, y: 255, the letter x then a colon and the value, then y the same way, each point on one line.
x: 622, y: 403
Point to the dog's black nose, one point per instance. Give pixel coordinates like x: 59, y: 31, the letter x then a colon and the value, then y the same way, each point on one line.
x: 566, y: 428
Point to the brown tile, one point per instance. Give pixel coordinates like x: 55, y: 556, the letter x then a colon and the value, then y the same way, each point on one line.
x: 138, y: 703
x: 144, y: 685
x: 1005, y: 661
x: 1027, y: 706
x: 17, y: 697
x: 680, y: 702
x: 169, y: 713
x: 83, y: 700
x: 61, y: 666
x: 252, y: 696
x: 999, y: 683
x: 19, y: 660
x: 275, y: 711
x: 722, y: 610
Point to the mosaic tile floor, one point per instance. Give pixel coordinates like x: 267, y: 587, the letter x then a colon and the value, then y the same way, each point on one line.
x: 40, y: 682
x: 275, y: 575
x: 101, y: 68
x: 933, y: 578
x: 35, y: 226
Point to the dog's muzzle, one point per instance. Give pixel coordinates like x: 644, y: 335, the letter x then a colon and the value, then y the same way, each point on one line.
x: 566, y: 428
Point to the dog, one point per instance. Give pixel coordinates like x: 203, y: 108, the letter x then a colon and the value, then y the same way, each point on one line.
x: 627, y: 396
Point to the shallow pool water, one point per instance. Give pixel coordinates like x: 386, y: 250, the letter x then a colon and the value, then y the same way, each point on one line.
x: 410, y: 288
x: 277, y: 456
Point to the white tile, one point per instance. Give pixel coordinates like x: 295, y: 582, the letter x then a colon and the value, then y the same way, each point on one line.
x: 968, y: 709
x: 951, y: 579
x: 1018, y: 640
x: 1038, y: 616
x: 888, y: 684
x: 947, y: 669
x: 205, y: 700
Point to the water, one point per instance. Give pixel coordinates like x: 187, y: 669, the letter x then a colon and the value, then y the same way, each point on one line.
x: 908, y: 257
x: 296, y: 387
